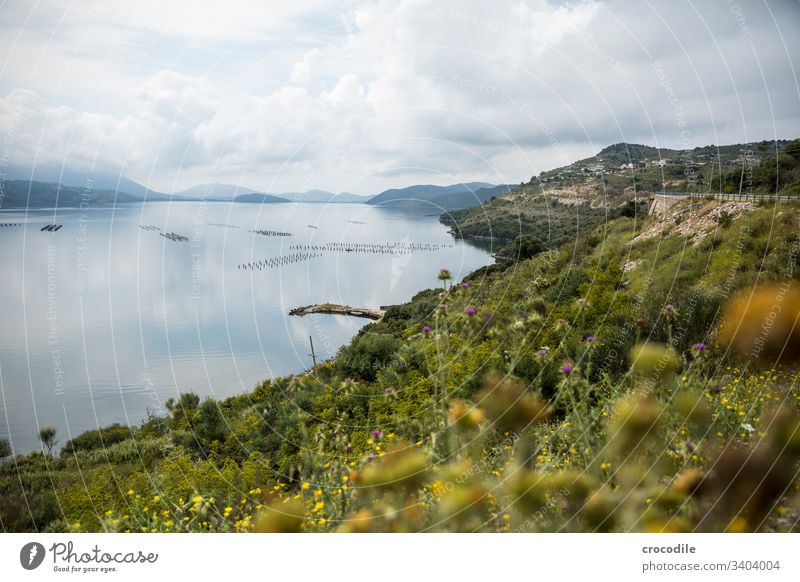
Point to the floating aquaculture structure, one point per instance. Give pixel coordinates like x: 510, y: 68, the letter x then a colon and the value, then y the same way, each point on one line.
x: 280, y: 261
x: 174, y: 236
x: 149, y: 227
x: 356, y: 221
x: 50, y: 228
x: 223, y: 225
x: 304, y: 252
x: 3, y: 224
x: 271, y: 233
x: 394, y: 248
x: 404, y: 218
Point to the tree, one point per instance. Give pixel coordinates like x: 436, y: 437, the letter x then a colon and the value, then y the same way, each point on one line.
x: 48, y: 437
x: 523, y: 247
x: 5, y: 449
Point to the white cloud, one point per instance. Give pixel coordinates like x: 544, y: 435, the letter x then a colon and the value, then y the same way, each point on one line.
x: 378, y: 93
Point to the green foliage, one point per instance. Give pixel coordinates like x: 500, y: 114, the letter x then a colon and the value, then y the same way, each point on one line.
x: 5, y: 449
x: 368, y: 354
x: 522, y: 247
x: 47, y: 435
x: 96, y: 439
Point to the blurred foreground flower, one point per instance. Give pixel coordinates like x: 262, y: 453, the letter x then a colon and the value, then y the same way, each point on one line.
x: 511, y: 407
x: 764, y: 324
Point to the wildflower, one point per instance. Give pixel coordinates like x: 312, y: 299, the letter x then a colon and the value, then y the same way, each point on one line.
x: 376, y: 433
x: 444, y: 275
x: 465, y: 285
x: 669, y: 309
x: 699, y: 347
x: 470, y: 311
x: 542, y: 352
x: 589, y: 339
x: 566, y: 369
x: 442, y: 307
x: 510, y: 406
x: 401, y: 466
x: 655, y: 361
x: 463, y: 416
x: 426, y: 330
x: 388, y: 390
x: 286, y: 518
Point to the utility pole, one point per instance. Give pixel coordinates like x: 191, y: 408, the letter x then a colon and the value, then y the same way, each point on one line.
x: 313, y: 355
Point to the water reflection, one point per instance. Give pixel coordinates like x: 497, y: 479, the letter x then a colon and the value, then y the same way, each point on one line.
x: 105, y: 319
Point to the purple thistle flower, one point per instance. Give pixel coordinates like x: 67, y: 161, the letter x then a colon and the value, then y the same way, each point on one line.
x: 376, y: 433
x: 426, y: 330
x: 442, y: 306
x: 669, y: 308
x: 589, y: 339
x: 388, y: 390
x: 465, y: 285
x: 542, y: 353
x: 567, y: 369
x: 470, y: 311
x: 699, y: 347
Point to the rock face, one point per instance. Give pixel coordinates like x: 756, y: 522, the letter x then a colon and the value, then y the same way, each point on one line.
x: 334, y: 309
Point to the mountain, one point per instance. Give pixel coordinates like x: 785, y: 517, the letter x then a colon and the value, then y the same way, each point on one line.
x: 259, y: 198
x: 323, y: 196
x: 92, y: 179
x: 215, y: 191
x: 451, y: 197
x: 28, y: 194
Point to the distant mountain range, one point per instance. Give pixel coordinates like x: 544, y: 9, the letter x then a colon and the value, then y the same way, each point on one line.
x: 50, y: 186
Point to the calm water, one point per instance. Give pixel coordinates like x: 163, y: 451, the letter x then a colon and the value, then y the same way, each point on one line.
x: 103, y: 320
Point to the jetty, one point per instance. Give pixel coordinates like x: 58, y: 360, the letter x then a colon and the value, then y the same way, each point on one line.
x: 334, y: 309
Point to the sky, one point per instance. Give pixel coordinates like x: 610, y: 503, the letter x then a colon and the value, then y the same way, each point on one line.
x: 361, y: 96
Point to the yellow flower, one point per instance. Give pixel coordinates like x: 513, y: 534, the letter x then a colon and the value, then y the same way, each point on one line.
x: 305, y: 486
x: 319, y: 506
x: 197, y: 499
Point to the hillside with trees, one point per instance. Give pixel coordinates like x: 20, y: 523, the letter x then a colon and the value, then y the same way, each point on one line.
x: 617, y: 382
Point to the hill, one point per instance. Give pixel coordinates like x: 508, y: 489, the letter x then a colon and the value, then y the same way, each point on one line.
x: 214, y: 191
x: 639, y: 168
x: 93, y: 179
x: 450, y: 197
x: 560, y: 204
x: 26, y: 194
x: 258, y: 198
x: 323, y: 196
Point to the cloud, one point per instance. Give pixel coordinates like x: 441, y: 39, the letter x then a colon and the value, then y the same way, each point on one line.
x: 378, y: 93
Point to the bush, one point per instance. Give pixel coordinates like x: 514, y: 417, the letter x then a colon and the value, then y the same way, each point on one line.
x: 5, y: 449
x: 100, y: 438
x: 525, y: 246
x: 368, y: 354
